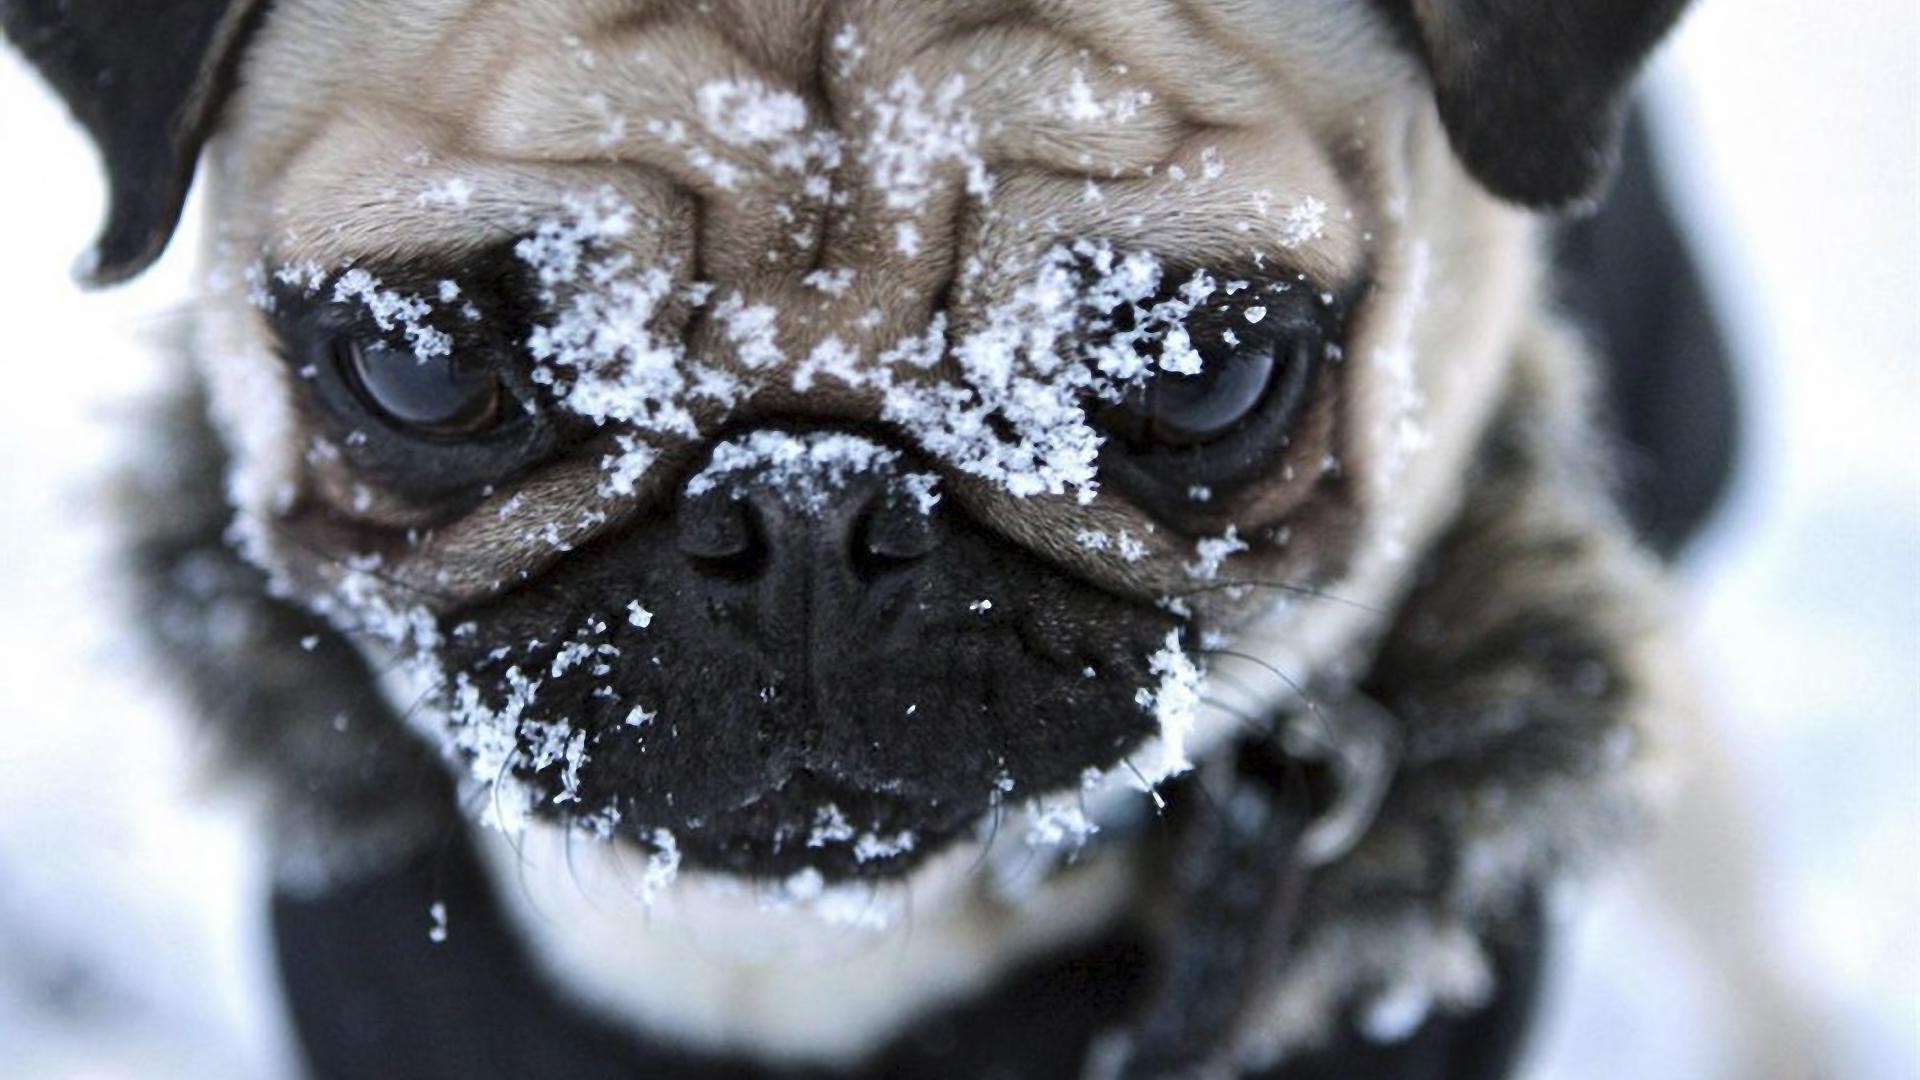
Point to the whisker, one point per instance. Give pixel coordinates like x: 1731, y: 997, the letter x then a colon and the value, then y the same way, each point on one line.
x: 418, y: 702
x: 998, y: 812
x: 1307, y: 699
x: 573, y: 871
x: 623, y: 873
x: 516, y: 840
x: 1246, y: 720
x: 1234, y: 682
x: 1152, y: 790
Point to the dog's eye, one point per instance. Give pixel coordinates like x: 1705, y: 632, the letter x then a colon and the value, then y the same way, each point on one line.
x: 1266, y: 354
x: 1235, y: 380
x: 432, y: 395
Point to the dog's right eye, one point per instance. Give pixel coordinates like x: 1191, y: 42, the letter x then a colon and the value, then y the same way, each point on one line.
x: 1235, y: 380
x: 433, y: 395
x: 1265, y: 354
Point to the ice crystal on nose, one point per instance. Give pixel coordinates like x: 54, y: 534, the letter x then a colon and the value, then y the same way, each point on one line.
x: 805, y: 469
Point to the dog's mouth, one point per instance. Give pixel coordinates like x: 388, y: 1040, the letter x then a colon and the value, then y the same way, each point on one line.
x: 809, y: 824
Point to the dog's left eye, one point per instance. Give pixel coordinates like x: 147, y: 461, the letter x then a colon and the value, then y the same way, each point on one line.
x: 1235, y: 379
x: 431, y: 395
x: 1264, y: 355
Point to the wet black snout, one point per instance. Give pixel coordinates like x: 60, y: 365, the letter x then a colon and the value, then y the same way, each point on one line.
x: 826, y: 533
x: 865, y: 529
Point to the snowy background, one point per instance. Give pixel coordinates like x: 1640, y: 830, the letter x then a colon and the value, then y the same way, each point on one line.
x: 1772, y: 933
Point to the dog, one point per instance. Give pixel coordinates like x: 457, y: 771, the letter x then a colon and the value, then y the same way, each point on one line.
x: 891, y: 539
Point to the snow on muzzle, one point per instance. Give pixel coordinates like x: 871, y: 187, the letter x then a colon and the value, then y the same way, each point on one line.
x: 808, y: 660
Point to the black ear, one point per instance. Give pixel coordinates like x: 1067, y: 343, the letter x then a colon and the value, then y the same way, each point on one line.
x: 146, y: 78
x: 1533, y: 92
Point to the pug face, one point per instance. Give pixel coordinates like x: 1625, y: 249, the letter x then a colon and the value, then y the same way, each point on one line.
x: 791, y: 440
x: 805, y: 443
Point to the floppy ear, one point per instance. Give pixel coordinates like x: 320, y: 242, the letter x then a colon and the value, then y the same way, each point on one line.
x: 146, y: 78
x: 1533, y: 92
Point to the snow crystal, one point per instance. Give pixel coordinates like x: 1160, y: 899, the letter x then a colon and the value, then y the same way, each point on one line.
x: 1303, y: 223
x: 1211, y: 166
x: 747, y: 112
x: 831, y: 282
x: 1058, y: 821
x: 663, y: 866
x: 1081, y: 106
x: 805, y: 469
x: 638, y: 615
x: 1034, y: 359
x: 489, y: 739
x: 391, y: 310
x: 1394, y: 1016
x: 308, y: 276
x: 600, y: 353
x: 830, y: 826
x: 802, y: 886
x: 455, y: 192
x: 550, y: 744
x: 906, y: 239
x: 437, y: 932
x: 1212, y: 552
x: 620, y: 473
x: 1174, y: 702
x: 914, y: 137
x: 569, y: 657
x: 869, y: 847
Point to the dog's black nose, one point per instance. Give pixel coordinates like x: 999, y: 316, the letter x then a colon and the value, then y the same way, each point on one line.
x: 864, y: 529
x: 823, y: 519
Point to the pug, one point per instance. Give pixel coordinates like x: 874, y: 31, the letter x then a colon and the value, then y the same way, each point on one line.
x: 890, y: 539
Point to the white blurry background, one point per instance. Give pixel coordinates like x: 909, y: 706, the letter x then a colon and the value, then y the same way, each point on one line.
x: 1772, y: 933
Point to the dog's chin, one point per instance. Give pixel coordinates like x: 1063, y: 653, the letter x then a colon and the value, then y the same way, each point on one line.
x: 811, y: 825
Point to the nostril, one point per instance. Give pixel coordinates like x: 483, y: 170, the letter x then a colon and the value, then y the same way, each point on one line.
x: 890, y: 534
x: 724, y: 538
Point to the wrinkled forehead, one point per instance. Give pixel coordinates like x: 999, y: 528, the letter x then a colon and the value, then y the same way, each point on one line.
x: 886, y: 147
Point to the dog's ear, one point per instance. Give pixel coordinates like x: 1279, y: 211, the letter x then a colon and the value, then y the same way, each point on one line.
x: 1533, y: 92
x: 146, y: 78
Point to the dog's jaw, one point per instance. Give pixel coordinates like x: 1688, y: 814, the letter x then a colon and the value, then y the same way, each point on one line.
x: 794, y: 975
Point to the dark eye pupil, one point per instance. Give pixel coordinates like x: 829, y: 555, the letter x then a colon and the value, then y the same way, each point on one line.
x: 1228, y: 387
x: 1180, y: 410
x: 433, y: 394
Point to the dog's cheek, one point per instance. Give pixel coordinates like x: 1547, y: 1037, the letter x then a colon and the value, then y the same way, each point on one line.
x: 250, y: 393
